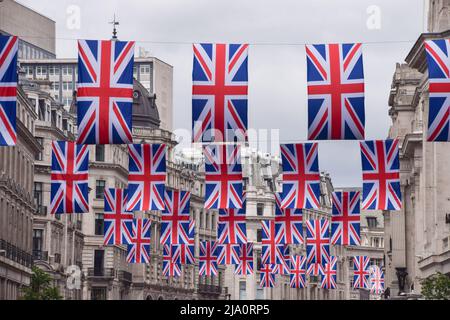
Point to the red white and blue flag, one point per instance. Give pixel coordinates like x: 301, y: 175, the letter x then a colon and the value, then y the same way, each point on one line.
x: 183, y: 253
x: 245, y: 266
x: 335, y: 91
x: 272, y: 251
x: 289, y: 222
x: 105, y: 91
x: 298, y: 272
x: 301, y: 177
x: 207, y: 259
x: 228, y: 254
x: 146, y: 177
x: 345, y: 219
x: 219, y: 92
x: 317, y: 241
x: 380, y: 175
x: 115, y: 217
x: 329, y: 274
x: 361, y: 272
x: 314, y: 269
x: 8, y: 89
x: 170, y: 267
x: 138, y: 233
x: 175, y: 218
x: 267, y: 276
x: 231, y: 226
x: 223, y: 177
x: 284, y: 267
x: 438, y: 57
x: 69, y: 178
x: 376, y: 279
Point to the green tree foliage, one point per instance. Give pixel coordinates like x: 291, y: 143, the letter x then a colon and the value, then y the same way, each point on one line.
x: 436, y: 287
x: 41, y: 287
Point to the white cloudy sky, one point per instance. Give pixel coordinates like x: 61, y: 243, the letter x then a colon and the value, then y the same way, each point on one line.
x: 277, y: 68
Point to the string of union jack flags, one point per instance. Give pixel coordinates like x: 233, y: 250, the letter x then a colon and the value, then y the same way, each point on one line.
x: 336, y: 111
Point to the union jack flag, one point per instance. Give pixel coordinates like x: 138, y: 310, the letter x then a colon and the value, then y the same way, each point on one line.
x: 231, y: 226
x: 289, y: 222
x: 183, y: 253
x: 301, y: 178
x: 314, y: 269
x: 228, y: 253
x: 138, y: 233
x: 438, y: 53
x: 272, y: 251
x: 219, y: 92
x: 170, y: 267
x: 380, y: 175
x: 245, y: 266
x: 105, y: 91
x: 376, y: 279
x: 223, y: 177
x: 207, y: 259
x: 361, y: 272
x: 267, y: 279
x: 317, y: 241
x: 69, y: 177
x: 175, y: 218
x: 329, y: 274
x: 284, y: 267
x: 298, y: 272
x: 335, y: 91
x: 115, y: 217
x: 345, y: 219
x: 146, y: 177
x: 8, y: 89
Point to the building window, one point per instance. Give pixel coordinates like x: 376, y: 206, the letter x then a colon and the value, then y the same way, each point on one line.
x: 376, y: 242
x: 98, y: 262
x: 37, y: 242
x: 29, y: 71
x: 67, y: 71
x: 260, y: 209
x: 144, y: 69
x: 99, y: 224
x: 41, y: 71
x: 41, y: 143
x: 371, y: 222
x: 55, y: 86
x: 53, y: 71
x: 67, y: 86
x: 99, y: 188
x: 242, y: 290
x: 38, y: 193
x: 98, y: 293
x: 100, y: 152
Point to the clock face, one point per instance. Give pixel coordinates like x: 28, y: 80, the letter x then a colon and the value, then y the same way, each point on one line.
x: 136, y: 94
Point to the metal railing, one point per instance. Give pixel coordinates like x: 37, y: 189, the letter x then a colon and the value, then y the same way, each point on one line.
x: 125, y: 276
x: 40, y: 255
x: 209, y: 289
x: 101, y: 273
x: 15, y: 254
x: 41, y: 211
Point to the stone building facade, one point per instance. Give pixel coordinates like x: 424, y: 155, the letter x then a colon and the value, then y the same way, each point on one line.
x: 418, y: 236
x: 36, y: 32
x: 57, y: 239
x: 16, y: 202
